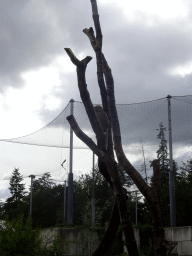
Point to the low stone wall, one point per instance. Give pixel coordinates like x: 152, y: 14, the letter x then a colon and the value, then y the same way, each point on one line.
x: 75, y: 242
x: 183, y: 236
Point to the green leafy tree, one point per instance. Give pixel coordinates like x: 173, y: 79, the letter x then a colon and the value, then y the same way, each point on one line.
x: 48, y: 207
x: 103, y: 198
x: 184, y: 194
x: 47, y: 202
x: 83, y: 200
x: 18, y: 239
x: 43, y: 183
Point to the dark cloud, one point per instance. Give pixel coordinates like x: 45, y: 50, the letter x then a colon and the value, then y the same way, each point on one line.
x: 141, y: 56
x: 34, y: 34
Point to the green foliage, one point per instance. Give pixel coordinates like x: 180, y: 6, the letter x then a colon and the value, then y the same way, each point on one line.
x: 18, y: 239
x: 103, y: 198
x: 145, y: 233
x: 162, y: 155
x: 16, y: 187
x: 56, y: 249
x: 43, y: 183
x: 183, y: 195
x: 83, y: 200
x: 47, y: 208
x: 16, y: 204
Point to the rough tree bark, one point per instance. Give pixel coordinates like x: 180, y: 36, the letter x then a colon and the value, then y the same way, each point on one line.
x: 108, y: 165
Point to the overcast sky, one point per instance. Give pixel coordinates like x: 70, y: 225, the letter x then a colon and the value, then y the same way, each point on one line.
x: 148, y: 45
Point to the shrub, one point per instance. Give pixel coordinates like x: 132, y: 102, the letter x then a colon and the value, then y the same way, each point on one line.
x: 18, y: 239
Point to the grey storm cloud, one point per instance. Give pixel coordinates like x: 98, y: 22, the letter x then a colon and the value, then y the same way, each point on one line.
x: 33, y: 34
x: 140, y: 55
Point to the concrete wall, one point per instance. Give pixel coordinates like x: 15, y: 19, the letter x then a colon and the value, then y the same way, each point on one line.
x: 76, y: 242
x: 182, y: 235
x: 83, y: 242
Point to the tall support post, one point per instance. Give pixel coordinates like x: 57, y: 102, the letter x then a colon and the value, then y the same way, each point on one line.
x: 70, y: 175
x: 64, y: 208
x: 31, y: 195
x: 171, y: 173
x: 93, y: 192
x: 135, y: 207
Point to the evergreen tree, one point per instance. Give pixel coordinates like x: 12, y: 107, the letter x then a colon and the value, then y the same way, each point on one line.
x: 16, y: 187
x: 162, y: 154
x: 186, y: 170
x: 15, y: 205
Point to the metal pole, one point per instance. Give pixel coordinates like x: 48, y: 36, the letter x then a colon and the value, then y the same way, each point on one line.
x: 93, y: 192
x: 136, y: 207
x: 31, y: 195
x: 70, y: 175
x: 64, y: 217
x: 171, y: 173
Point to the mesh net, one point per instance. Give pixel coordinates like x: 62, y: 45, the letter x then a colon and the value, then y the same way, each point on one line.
x: 139, y: 123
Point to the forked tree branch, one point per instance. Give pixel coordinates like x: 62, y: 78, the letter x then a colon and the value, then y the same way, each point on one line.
x: 73, y: 58
x: 109, y: 105
x: 108, y: 99
x: 85, y: 96
x: 90, y: 34
x: 100, y: 78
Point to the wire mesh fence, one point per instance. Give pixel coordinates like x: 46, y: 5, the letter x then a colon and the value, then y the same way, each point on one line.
x: 139, y: 123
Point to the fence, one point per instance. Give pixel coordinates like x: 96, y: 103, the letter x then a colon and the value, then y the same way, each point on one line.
x: 139, y: 123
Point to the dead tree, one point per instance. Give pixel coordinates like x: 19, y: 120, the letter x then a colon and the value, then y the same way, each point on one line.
x: 107, y: 163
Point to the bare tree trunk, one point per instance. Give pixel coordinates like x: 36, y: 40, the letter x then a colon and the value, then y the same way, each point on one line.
x: 106, y: 156
x: 119, y: 193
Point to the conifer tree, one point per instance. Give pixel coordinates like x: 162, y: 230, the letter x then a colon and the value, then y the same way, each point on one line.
x: 162, y: 154
x: 16, y: 187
